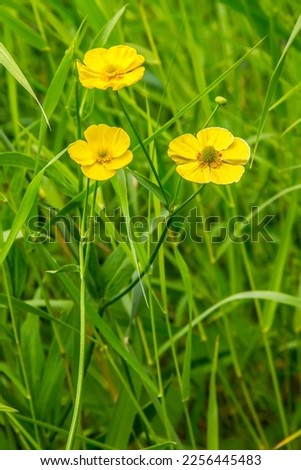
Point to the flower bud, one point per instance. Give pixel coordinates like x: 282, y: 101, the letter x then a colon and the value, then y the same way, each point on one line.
x: 220, y: 100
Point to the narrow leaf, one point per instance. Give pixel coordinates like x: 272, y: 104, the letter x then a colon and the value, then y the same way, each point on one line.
x: 273, y: 83
x: 198, y: 97
x: 68, y: 268
x: 150, y: 186
x: 187, y: 355
x: 212, y: 414
x: 9, y: 63
x: 25, y: 207
x: 7, y: 409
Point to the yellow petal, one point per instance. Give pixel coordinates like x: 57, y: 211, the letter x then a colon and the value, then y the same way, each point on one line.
x: 192, y: 171
x: 227, y: 174
x: 125, y: 57
x: 129, y: 78
x: 237, y: 153
x: 91, y: 79
x: 114, y: 139
x: 81, y: 153
x: 216, y: 137
x: 93, y: 135
x: 184, y: 148
x: 98, y: 172
x: 95, y: 58
x: 120, y: 162
x: 135, y: 64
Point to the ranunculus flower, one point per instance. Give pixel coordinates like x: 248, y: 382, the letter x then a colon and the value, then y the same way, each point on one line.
x: 213, y: 155
x: 104, y: 151
x: 116, y: 67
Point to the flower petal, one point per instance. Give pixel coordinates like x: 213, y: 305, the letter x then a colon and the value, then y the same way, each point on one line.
x: 129, y: 78
x: 81, y: 153
x: 93, y: 135
x: 216, y: 137
x: 125, y: 57
x: 238, y: 152
x: 115, y: 139
x: 98, y: 172
x: 192, y: 171
x: 135, y: 64
x: 226, y: 174
x: 184, y: 148
x: 95, y: 59
x: 120, y: 162
x: 91, y: 79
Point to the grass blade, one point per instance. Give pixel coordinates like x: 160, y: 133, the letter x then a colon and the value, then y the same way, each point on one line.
x: 273, y: 84
x: 8, y: 62
x: 25, y: 207
x: 212, y: 415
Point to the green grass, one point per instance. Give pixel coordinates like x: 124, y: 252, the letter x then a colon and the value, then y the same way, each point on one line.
x: 205, y: 351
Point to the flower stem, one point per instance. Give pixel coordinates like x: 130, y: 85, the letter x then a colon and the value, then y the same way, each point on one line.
x: 211, y: 116
x: 154, y: 253
x: 77, y: 106
x: 143, y: 148
x: 82, y: 329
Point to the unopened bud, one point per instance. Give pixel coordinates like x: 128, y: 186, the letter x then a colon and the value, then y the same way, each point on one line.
x: 220, y: 100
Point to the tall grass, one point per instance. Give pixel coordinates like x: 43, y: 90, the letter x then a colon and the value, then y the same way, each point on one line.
x: 204, y: 351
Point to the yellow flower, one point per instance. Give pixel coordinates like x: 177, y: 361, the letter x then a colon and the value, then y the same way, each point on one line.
x: 116, y: 67
x: 213, y: 155
x: 104, y: 151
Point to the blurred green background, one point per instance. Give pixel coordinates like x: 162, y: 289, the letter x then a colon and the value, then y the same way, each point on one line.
x: 233, y: 380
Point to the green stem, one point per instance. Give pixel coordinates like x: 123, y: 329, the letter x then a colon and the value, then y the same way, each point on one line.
x: 7, y: 286
x: 154, y: 253
x: 177, y: 190
x: 143, y: 148
x: 91, y: 221
x: 77, y: 106
x: 82, y: 330
x: 211, y: 116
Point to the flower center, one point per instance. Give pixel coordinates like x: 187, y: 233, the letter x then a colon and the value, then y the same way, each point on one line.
x: 112, y: 71
x: 103, y: 156
x: 209, y: 157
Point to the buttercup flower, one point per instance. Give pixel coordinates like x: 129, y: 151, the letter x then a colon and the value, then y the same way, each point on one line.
x: 116, y: 67
x: 213, y: 155
x: 104, y: 151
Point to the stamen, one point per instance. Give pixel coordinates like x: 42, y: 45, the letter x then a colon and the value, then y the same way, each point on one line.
x: 209, y: 157
x: 103, y: 156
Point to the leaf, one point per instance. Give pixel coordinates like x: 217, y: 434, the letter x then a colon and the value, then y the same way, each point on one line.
x: 25, y: 207
x: 7, y: 409
x: 67, y: 268
x: 21, y: 29
x: 13, y: 378
x: 32, y: 352
x: 150, y: 186
x: 58, y: 173
x: 120, y: 279
x: 121, y: 420
x: 273, y: 83
x: 55, y: 89
x: 102, y: 37
x: 249, y: 295
x: 9, y: 63
x: 77, y: 200
x: 117, y: 345
x: 212, y: 413
x: 198, y: 97
x: 22, y: 306
x: 189, y: 294
x: 164, y: 446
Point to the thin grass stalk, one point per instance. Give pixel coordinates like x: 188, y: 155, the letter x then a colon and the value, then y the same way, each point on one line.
x: 82, y: 329
x: 7, y: 286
